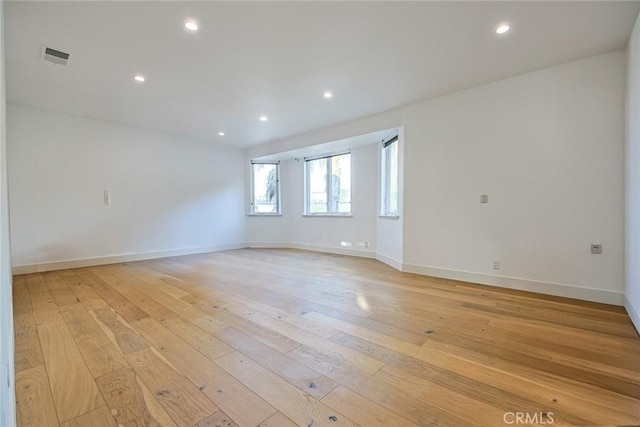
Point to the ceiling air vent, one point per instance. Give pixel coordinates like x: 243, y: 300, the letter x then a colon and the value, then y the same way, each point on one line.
x: 55, y: 56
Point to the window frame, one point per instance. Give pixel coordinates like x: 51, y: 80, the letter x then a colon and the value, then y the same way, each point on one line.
x: 385, y: 182
x: 328, y: 187
x: 252, y: 207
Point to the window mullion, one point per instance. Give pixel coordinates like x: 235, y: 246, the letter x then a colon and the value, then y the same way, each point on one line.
x: 329, y: 186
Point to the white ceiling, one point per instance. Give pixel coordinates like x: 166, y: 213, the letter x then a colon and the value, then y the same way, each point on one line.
x: 278, y: 58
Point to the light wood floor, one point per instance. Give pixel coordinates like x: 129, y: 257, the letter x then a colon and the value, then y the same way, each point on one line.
x: 281, y: 338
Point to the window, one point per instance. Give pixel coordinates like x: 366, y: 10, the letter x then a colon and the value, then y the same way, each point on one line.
x: 328, y: 185
x: 265, y: 188
x: 389, y: 175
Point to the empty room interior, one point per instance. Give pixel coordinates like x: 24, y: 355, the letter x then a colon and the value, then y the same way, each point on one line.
x: 319, y: 213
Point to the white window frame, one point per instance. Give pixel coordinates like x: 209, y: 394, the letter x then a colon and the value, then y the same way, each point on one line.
x: 329, y: 188
x: 385, y: 187
x: 252, y: 210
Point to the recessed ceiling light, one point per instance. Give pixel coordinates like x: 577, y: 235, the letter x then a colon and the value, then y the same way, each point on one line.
x: 139, y: 78
x: 191, y: 26
x: 264, y: 118
x: 328, y: 95
x: 503, y: 28
x: 221, y: 133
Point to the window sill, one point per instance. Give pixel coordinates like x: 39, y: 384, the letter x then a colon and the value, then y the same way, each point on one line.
x: 328, y: 215
x: 389, y: 216
x: 264, y: 214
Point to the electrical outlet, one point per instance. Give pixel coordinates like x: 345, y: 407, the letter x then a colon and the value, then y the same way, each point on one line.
x: 107, y: 197
x: 484, y: 199
x: 596, y: 249
x: 496, y: 265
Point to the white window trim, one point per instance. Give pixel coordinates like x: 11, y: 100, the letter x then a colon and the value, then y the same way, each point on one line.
x: 386, y: 178
x: 329, y: 188
x: 252, y: 211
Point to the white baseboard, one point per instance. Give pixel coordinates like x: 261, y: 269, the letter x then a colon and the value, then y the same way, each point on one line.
x: 326, y: 249
x: 113, y: 259
x: 556, y: 289
x: 633, y: 313
x: 335, y: 250
x: 392, y: 262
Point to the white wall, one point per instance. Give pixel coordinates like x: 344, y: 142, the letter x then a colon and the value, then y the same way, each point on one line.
x: 7, y: 390
x: 547, y: 147
x: 632, y: 178
x: 293, y: 229
x: 169, y: 195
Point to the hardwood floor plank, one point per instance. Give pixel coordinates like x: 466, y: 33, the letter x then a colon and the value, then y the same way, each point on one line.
x: 243, y: 405
x: 207, y: 344
x: 278, y: 420
x: 394, y: 399
x: 98, y: 351
x: 185, y: 310
x: 288, y: 337
x: 74, y: 390
x: 100, y: 417
x: 552, y: 316
x: 362, y: 410
x: 581, y: 338
x: 268, y: 336
x: 20, y: 285
x: 130, y: 402
x: 88, y: 298
x: 500, y: 388
x: 567, y: 344
x: 625, y: 381
x: 148, y: 305
x: 21, y: 303
x: 36, y: 283
x: 28, y: 353
x: 473, y: 410
x: 295, y: 404
x: 119, y: 332
x: 44, y: 306
x: 34, y: 403
x: 180, y: 398
x: 125, y: 308
x: 219, y: 419
x: 579, y: 400
x: 64, y: 296
x: 307, y: 380
x: 265, y: 311
x: 373, y: 336
x: 54, y: 280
